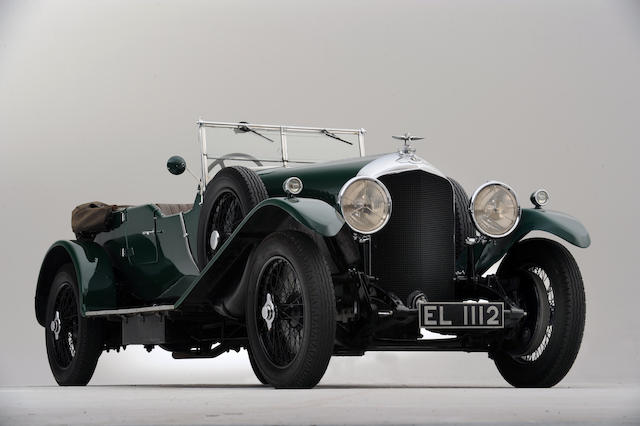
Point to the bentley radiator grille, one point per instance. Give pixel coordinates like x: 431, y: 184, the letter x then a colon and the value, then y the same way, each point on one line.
x: 415, y: 250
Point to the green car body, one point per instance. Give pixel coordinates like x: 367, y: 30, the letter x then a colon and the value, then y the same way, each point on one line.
x: 162, y: 267
x: 148, y: 261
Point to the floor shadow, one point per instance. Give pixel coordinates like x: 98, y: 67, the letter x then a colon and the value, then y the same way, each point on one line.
x: 410, y: 386
x: 185, y: 386
x: 321, y: 386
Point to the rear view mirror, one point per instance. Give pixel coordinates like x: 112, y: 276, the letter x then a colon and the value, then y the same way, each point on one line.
x: 176, y: 165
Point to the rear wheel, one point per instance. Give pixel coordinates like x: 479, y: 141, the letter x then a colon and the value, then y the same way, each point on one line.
x: 290, y: 312
x: 549, y: 339
x: 74, y: 343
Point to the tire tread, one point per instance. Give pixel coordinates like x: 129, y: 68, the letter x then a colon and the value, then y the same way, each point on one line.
x: 89, y: 348
x: 322, y: 315
x: 551, y: 370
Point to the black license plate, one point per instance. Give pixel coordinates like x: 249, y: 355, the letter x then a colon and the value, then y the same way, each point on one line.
x: 461, y: 315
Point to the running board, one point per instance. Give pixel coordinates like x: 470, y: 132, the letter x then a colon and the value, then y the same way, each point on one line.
x: 131, y: 311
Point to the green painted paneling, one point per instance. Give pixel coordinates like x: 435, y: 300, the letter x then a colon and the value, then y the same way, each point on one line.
x: 560, y: 224
x: 320, y: 181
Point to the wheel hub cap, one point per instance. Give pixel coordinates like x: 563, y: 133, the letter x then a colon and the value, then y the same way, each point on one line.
x: 56, y: 325
x: 269, y: 311
x: 214, y: 240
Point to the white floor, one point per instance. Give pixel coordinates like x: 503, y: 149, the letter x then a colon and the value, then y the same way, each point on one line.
x: 328, y: 404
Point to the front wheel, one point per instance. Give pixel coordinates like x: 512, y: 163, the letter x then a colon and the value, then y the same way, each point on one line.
x: 255, y: 368
x: 290, y: 313
x: 549, y: 339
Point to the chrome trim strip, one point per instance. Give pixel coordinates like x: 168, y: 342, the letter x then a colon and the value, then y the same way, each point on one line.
x: 231, y: 125
x: 397, y: 163
x: 129, y: 311
x: 361, y: 141
x: 202, y: 135
x: 473, y: 217
x: 262, y: 160
x: 185, y: 235
x: 283, y: 146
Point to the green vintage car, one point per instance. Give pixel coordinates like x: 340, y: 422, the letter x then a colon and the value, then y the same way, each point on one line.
x: 298, y: 247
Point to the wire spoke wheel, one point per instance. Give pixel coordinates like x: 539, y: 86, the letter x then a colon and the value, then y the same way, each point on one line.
x: 228, y: 198
x: 290, y: 311
x: 64, y: 327
x: 74, y: 343
x: 227, y: 215
x: 551, y: 291
x: 280, y: 311
x: 537, y: 352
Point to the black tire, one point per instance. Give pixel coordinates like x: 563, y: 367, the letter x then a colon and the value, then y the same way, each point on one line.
x: 254, y: 367
x: 294, y: 351
x: 74, y: 354
x: 546, y: 365
x: 464, y: 226
x: 228, y: 198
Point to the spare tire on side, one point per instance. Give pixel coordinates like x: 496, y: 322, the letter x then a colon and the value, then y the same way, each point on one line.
x: 464, y: 224
x: 228, y: 198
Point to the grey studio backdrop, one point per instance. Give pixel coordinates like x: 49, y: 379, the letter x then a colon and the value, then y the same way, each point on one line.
x: 95, y: 96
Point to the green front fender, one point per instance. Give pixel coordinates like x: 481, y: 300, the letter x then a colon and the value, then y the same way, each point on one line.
x: 560, y: 224
x: 316, y: 215
x: 94, y: 273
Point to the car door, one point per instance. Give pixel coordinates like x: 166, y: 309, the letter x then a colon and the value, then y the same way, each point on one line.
x: 141, y: 252
x: 140, y: 228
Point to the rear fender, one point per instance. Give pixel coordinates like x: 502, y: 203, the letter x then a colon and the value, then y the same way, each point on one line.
x: 94, y: 274
x: 559, y: 224
x: 315, y: 215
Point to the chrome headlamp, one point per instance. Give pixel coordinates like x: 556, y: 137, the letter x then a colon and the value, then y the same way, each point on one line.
x: 365, y: 204
x: 540, y: 198
x: 495, y: 209
x: 292, y: 186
